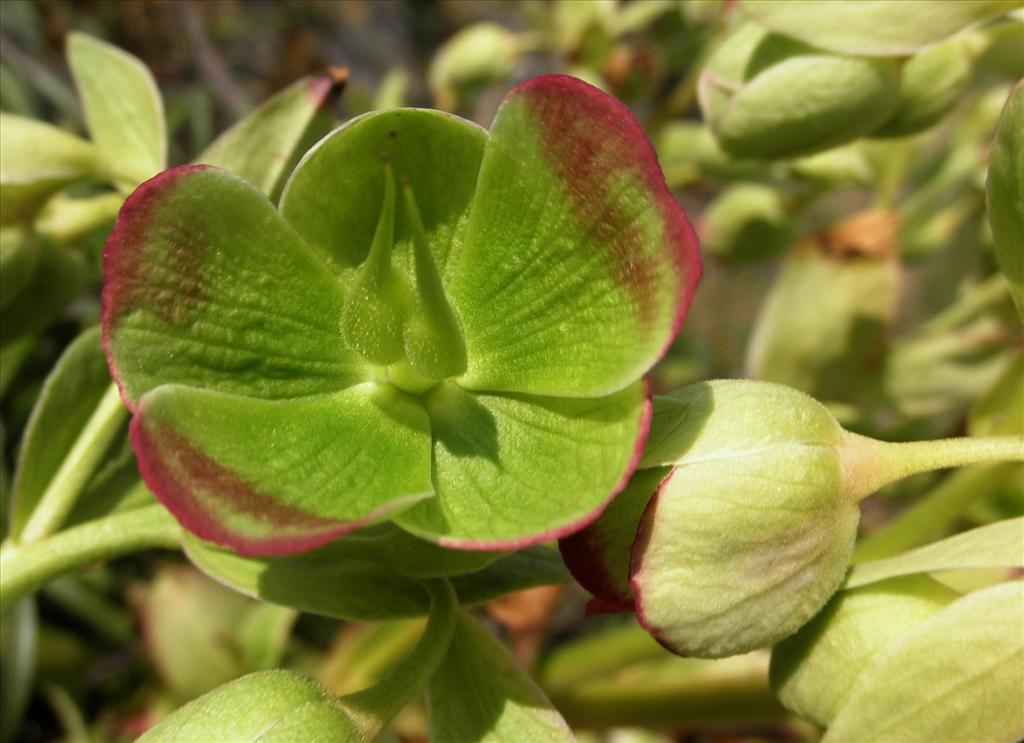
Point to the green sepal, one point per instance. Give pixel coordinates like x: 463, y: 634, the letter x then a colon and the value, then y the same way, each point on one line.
x: 123, y: 107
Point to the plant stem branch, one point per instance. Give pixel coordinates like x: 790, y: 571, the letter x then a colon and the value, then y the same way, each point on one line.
x: 25, y: 567
x: 60, y: 495
x: 870, y: 464
x: 372, y: 708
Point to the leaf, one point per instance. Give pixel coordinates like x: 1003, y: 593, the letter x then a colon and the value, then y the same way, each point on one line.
x: 18, y: 257
x: 578, y: 265
x: 59, y: 276
x: 36, y: 161
x: 65, y: 219
x: 479, y: 694
x: 206, y: 285
x: 123, y: 108
x: 957, y: 676
x: 264, y: 706
x: 335, y: 581
x: 272, y: 477
x: 68, y: 399
x: 880, y: 27
x: 996, y: 412
x: 599, y: 555
x: 265, y: 145
x: 514, y: 470
x: 20, y: 628
x: 825, y: 318
x: 1005, y: 190
x: 333, y: 198
x: 997, y: 545
x: 751, y: 533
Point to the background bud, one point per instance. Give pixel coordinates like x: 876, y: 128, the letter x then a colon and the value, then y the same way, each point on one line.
x: 746, y: 222
x: 813, y: 671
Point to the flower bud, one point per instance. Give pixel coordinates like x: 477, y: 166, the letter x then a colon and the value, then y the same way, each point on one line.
x: 746, y: 222
x: 770, y: 96
x: 752, y: 531
x: 476, y: 56
x: 933, y: 82
x: 813, y: 671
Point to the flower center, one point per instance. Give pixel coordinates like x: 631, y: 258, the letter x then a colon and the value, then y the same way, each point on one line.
x: 403, y: 323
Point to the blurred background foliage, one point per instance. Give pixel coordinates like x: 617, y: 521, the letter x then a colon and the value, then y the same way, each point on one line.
x: 863, y: 274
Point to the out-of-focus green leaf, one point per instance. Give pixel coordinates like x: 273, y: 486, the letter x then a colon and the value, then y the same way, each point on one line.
x: 1006, y: 193
x: 998, y: 545
x: 480, y: 695
x: 957, y: 676
x: 746, y: 222
x: 827, y: 314
x: 69, y: 398
x: 19, y: 627
x: 123, y: 107
x: 265, y: 145
x: 65, y: 219
x: 374, y: 589
x: 59, y: 276
x: 212, y: 635
x: 1000, y: 412
x: 879, y: 27
x: 266, y: 706
x: 36, y: 161
x: 19, y: 254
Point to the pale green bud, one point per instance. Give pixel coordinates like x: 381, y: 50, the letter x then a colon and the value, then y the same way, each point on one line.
x: 814, y: 671
x: 476, y: 56
x: 768, y: 96
x: 746, y: 222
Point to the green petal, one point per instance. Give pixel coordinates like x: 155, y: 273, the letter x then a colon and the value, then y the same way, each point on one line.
x: 281, y: 476
x: 206, y: 285
x: 579, y: 264
x: 333, y: 199
x: 513, y: 470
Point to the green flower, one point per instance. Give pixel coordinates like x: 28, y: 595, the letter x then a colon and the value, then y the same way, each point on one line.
x: 438, y: 325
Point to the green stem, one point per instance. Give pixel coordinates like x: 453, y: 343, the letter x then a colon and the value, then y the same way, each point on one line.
x: 60, y: 495
x: 25, y: 567
x: 703, y: 694
x: 932, y: 515
x: 870, y: 464
x: 372, y: 708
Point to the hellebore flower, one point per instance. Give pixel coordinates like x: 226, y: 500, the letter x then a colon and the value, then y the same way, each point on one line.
x: 439, y: 325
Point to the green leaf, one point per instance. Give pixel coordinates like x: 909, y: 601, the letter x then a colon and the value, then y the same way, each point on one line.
x: 879, y: 27
x: 996, y: 413
x: 599, y: 555
x: 340, y: 581
x: 264, y: 706
x: 206, y: 285
x: 123, y: 108
x: 265, y: 145
x: 957, y: 676
x: 68, y: 399
x: 18, y: 641
x: 36, y: 161
x: 18, y: 257
x: 825, y: 318
x: 997, y: 545
x: 333, y: 199
x: 508, y: 468
x: 751, y: 533
x: 213, y: 635
x: 59, y: 276
x: 578, y: 263
x: 280, y: 476
x: 65, y: 219
x: 480, y: 695
x: 1005, y: 191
